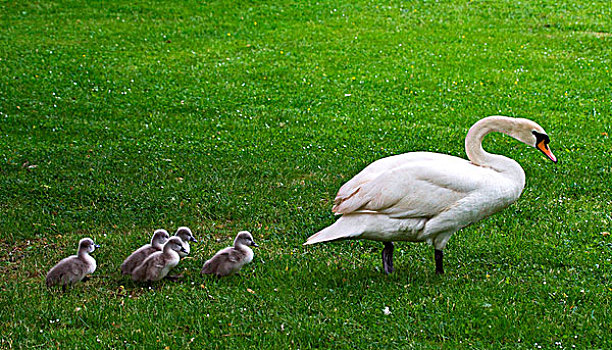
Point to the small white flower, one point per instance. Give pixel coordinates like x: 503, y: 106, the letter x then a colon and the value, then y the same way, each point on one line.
x: 386, y: 311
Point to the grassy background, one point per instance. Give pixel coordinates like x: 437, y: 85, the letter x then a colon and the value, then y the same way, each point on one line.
x: 121, y: 117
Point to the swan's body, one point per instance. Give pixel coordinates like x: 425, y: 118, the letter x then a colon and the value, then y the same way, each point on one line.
x: 157, y: 265
x: 137, y: 257
x: 185, y: 234
x: 230, y: 260
x: 75, y: 267
x: 426, y: 197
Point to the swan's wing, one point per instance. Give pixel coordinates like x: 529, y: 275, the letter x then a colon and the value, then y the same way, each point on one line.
x: 136, y: 258
x: 153, y: 267
x: 66, y: 271
x: 377, y: 168
x: 216, y: 262
x: 229, y: 255
x: 142, y: 270
x: 410, y: 186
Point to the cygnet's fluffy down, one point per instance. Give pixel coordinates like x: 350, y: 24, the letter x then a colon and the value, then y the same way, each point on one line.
x: 75, y: 267
x: 231, y: 259
x: 136, y: 258
x: 184, y: 233
x: 158, y: 264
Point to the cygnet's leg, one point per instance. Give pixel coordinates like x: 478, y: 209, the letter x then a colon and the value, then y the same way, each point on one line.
x: 174, y: 278
x: 439, y: 256
x: 387, y: 257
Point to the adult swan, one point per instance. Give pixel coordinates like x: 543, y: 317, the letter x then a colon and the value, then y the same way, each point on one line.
x: 426, y: 197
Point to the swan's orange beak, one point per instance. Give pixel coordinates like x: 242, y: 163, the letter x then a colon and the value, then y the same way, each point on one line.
x: 542, y: 146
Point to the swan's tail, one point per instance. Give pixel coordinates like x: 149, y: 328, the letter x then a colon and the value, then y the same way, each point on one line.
x: 343, y: 228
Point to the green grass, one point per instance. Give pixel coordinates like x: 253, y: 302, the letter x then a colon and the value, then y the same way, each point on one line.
x: 119, y: 118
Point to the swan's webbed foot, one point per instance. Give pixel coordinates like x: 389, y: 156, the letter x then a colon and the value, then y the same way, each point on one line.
x: 387, y: 257
x: 439, y: 257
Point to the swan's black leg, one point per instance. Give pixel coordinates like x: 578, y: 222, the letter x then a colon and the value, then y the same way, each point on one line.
x: 439, y: 256
x: 387, y: 257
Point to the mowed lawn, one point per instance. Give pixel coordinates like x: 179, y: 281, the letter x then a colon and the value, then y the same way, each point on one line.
x: 118, y: 118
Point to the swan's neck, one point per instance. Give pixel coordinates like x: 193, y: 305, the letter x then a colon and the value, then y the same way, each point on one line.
x: 478, y: 156
x: 158, y: 242
x: 243, y: 248
x: 83, y: 253
x: 168, y: 250
x: 247, y: 252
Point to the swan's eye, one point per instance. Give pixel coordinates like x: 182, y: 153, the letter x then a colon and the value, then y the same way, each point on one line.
x: 541, y: 137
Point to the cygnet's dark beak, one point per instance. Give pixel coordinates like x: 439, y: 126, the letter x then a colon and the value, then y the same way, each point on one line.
x: 193, y: 239
x: 184, y: 250
x: 253, y: 244
x: 97, y: 246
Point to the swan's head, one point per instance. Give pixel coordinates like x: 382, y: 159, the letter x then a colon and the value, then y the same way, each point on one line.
x: 185, y: 234
x: 176, y: 244
x: 245, y: 238
x: 87, y: 245
x: 159, y: 238
x: 534, y: 135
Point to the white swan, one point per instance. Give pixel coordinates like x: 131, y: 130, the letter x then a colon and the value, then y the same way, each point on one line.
x: 426, y: 197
